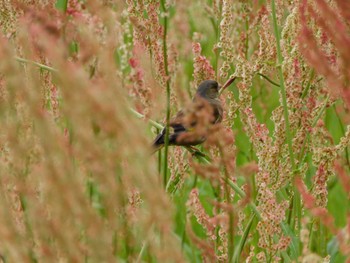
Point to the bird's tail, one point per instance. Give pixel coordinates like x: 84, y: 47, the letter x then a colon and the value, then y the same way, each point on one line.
x: 156, y: 147
x: 158, y: 142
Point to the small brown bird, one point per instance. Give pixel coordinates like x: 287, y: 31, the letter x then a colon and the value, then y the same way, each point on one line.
x: 208, y: 92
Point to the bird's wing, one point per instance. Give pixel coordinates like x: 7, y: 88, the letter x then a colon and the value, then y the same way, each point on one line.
x: 178, y: 119
x: 176, y: 127
x: 175, y: 130
x: 218, y: 112
x: 159, y: 140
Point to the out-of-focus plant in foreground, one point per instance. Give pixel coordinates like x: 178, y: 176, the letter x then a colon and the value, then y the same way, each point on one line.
x: 86, y: 85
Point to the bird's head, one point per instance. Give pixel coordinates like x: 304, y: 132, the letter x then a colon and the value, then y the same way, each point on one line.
x: 208, y: 89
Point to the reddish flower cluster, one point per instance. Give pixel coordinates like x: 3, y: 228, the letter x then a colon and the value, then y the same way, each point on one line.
x: 272, y: 214
x: 329, y: 55
x: 198, y: 211
x: 226, y: 40
x: 217, y: 227
x: 149, y: 32
x: 311, y: 204
x: 202, y: 70
x: 138, y: 87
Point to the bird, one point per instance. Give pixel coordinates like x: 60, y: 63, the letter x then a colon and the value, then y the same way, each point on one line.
x: 183, y: 132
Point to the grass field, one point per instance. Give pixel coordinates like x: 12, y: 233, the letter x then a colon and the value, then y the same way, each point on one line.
x: 85, y: 86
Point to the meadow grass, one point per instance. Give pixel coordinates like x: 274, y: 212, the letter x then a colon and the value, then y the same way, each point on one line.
x: 85, y: 86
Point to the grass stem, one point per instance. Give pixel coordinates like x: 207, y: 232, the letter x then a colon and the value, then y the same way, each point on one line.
x: 243, y: 240
x: 343, y: 133
x: 42, y: 66
x: 282, y: 86
x: 269, y: 80
x: 296, y: 212
x: 165, y: 56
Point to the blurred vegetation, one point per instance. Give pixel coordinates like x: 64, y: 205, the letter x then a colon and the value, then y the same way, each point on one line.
x: 85, y: 87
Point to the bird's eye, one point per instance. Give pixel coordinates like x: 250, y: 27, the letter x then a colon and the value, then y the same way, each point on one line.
x: 212, y: 92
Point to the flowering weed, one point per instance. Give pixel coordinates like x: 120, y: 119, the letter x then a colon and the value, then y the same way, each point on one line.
x: 86, y: 85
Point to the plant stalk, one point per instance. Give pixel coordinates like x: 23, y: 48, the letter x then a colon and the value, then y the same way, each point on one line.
x: 165, y: 55
x: 296, y: 212
x: 282, y: 86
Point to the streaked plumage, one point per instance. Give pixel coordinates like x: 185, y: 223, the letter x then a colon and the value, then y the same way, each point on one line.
x: 207, y: 90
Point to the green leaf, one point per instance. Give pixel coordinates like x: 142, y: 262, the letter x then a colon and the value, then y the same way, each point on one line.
x: 62, y: 5
x: 338, y: 204
x: 243, y: 240
x: 333, y: 251
x: 333, y: 246
x: 73, y: 47
x: 333, y: 124
x: 294, y: 245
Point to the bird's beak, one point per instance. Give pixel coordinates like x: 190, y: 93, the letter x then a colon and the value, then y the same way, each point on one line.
x: 227, y: 83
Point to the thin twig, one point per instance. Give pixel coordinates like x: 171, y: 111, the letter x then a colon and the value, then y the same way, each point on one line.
x: 42, y: 66
x: 269, y: 80
x: 152, y: 122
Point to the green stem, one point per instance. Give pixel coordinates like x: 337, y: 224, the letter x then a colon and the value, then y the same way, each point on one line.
x: 243, y: 240
x: 282, y: 86
x: 242, y: 194
x: 323, y: 242
x: 296, y: 197
x: 165, y: 55
x: 312, y: 75
x: 42, y: 66
x: 311, y: 235
x: 247, y: 38
x: 235, y: 188
x: 218, y: 33
x: 268, y: 79
x: 343, y: 132
x: 62, y: 5
x: 216, y: 27
x: 183, y: 237
x: 319, y: 115
x: 152, y: 122
x: 159, y: 160
x: 141, y: 251
x: 228, y: 200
